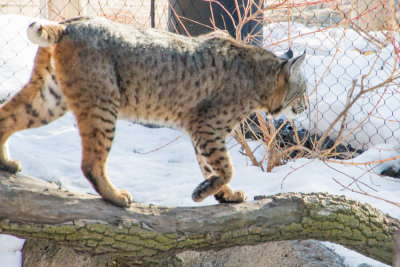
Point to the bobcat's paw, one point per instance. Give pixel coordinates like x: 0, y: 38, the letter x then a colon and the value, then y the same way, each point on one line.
x: 234, y: 197
x: 121, y: 199
x: 11, y: 166
x: 206, y: 188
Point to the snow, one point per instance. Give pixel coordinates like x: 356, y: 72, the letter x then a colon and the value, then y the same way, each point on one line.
x: 166, y: 175
x: 10, y: 250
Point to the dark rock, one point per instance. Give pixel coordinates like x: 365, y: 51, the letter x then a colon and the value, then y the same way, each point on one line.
x: 392, y: 172
x: 286, y: 137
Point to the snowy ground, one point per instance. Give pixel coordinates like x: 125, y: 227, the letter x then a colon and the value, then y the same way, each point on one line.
x: 168, y: 176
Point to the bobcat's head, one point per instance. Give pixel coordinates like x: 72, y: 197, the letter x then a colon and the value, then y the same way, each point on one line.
x: 294, y: 102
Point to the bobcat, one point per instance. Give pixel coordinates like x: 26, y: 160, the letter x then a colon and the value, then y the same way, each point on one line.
x: 102, y: 71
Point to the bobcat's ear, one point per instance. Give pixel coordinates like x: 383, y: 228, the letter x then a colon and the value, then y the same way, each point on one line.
x: 288, y: 55
x: 294, y: 64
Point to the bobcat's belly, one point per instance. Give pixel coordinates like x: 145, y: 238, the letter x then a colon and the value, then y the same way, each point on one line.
x: 154, y: 112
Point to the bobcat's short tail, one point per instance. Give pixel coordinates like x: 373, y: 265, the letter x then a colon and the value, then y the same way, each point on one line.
x: 45, y: 35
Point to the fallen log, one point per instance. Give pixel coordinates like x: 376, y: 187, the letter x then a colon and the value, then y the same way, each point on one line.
x: 41, y: 211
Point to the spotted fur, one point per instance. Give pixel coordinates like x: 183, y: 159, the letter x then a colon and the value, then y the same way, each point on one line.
x: 102, y: 71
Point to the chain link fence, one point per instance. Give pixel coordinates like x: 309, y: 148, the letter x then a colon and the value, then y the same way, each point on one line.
x: 352, y: 49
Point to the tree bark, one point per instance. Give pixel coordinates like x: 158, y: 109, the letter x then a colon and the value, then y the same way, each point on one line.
x: 143, y: 234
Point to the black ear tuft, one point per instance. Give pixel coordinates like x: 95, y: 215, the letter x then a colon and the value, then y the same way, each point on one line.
x: 293, y: 64
x: 288, y: 54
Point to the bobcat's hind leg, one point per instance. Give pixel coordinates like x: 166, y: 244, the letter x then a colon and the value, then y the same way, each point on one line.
x: 97, y: 133
x: 93, y: 167
x: 94, y: 97
x: 96, y: 123
x: 216, y: 167
x: 39, y: 102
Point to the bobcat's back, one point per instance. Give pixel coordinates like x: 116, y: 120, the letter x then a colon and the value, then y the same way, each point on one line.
x: 164, y: 76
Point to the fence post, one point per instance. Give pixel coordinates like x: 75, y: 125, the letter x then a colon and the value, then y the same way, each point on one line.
x: 152, y: 14
x: 196, y: 17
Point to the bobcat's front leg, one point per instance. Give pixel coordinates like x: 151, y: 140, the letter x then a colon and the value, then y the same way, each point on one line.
x: 225, y: 194
x: 208, y: 131
x: 217, y: 183
x: 215, y: 165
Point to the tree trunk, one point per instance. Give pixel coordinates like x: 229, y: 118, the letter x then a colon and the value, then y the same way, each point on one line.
x: 143, y: 234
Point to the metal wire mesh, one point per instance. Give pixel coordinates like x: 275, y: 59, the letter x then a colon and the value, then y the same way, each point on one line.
x: 138, y: 12
x: 364, y: 54
x: 299, y: 24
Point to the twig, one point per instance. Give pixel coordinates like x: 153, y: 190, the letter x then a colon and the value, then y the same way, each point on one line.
x: 369, y: 195
x: 294, y: 170
x: 161, y: 147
